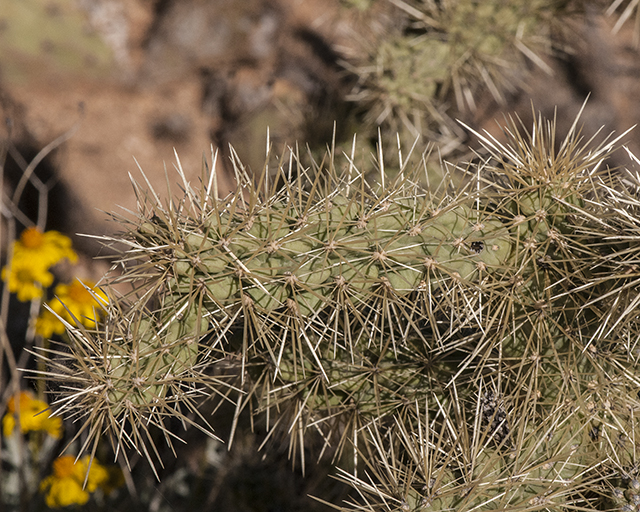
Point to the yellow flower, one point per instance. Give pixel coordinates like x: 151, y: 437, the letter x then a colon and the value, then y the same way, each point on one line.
x: 27, y: 281
x: 43, y: 249
x: 32, y: 256
x: 66, y: 485
x: 71, y: 299
x: 31, y: 414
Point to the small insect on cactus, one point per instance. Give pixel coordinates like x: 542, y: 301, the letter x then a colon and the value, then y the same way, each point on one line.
x: 473, y: 347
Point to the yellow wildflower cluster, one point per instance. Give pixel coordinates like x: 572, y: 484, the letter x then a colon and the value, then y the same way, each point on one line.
x: 31, y: 415
x: 75, y: 302
x: 31, y: 258
x: 66, y: 486
x: 28, y: 275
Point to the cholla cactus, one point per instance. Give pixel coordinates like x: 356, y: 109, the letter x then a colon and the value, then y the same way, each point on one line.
x: 137, y: 369
x: 487, y: 454
x: 472, y: 347
x: 445, y: 55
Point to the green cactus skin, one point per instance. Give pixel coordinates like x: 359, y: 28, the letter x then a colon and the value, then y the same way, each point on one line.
x: 341, y: 312
x: 274, y: 255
